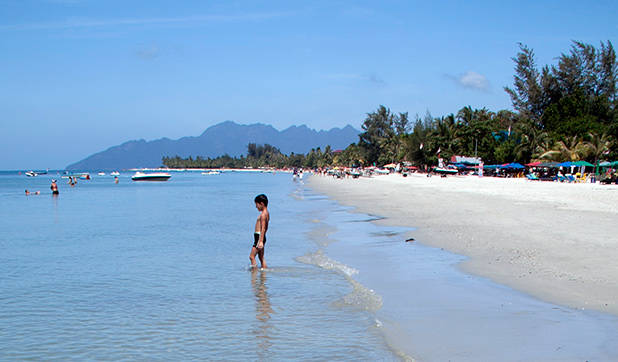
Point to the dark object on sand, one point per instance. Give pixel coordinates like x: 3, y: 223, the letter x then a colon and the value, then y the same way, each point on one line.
x: 410, y: 240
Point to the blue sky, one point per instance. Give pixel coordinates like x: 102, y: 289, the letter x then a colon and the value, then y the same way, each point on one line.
x: 79, y: 76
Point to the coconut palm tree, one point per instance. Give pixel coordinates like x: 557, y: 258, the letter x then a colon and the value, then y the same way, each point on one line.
x: 569, y: 149
x: 446, y: 135
x: 534, y: 141
x: 598, y: 146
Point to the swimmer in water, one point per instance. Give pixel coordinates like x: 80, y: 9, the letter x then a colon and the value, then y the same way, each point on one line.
x: 261, y: 227
x: 54, y: 188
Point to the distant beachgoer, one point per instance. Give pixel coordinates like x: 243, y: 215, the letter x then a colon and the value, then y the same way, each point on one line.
x: 261, y: 227
x: 115, y: 179
x: 27, y: 192
x: 54, y: 188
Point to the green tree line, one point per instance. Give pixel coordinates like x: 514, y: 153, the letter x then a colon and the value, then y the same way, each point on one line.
x: 562, y: 112
x: 257, y: 156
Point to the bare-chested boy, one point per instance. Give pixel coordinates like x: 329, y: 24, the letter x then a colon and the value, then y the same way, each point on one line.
x: 261, y: 226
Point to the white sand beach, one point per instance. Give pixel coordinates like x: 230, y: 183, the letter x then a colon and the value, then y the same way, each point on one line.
x: 558, y: 242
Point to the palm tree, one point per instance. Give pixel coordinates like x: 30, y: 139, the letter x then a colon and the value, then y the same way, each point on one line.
x: 569, y: 149
x: 598, y: 146
x: 446, y: 135
x: 534, y: 141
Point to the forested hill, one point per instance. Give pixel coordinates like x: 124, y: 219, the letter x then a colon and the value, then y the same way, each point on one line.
x: 223, y: 138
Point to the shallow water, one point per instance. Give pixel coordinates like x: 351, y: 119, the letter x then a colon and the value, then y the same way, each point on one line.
x: 159, y: 271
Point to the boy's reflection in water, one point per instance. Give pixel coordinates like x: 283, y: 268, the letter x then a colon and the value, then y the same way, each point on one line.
x: 262, y: 310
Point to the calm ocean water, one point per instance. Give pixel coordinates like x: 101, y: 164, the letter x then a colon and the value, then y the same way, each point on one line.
x: 159, y: 271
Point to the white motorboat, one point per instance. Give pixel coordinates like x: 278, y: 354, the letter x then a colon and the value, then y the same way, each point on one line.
x: 101, y: 174
x: 115, y: 173
x: 31, y: 174
x: 156, y: 176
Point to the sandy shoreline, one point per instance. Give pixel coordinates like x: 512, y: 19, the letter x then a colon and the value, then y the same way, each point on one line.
x: 558, y: 242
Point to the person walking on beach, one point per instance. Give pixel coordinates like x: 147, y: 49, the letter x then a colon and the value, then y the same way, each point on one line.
x: 54, y: 188
x: 261, y: 226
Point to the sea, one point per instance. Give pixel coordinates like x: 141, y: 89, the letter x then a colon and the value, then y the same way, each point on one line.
x: 160, y: 271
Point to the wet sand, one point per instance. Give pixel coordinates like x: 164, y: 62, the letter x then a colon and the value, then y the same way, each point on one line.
x: 557, y: 242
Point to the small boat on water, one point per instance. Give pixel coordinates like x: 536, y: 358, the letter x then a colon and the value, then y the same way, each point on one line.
x: 31, y: 174
x: 115, y: 173
x: 85, y: 176
x: 211, y: 173
x: 101, y: 174
x: 157, y: 176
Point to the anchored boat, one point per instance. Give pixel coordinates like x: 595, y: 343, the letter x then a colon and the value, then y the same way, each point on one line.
x: 157, y: 176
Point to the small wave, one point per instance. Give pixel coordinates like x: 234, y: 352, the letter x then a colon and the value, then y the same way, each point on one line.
x: 361, y: 297
x: 319, y: 259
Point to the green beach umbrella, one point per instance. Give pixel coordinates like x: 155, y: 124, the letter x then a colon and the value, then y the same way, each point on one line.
x: 582, y: 163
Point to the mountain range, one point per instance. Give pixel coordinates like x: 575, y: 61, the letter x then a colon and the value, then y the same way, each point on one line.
x: 223, y: 138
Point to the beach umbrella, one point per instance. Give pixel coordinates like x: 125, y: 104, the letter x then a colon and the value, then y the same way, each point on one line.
x: 565, y: 164
x: 582, y: 163
x: 605, y: 164
x: 534, y: 164
x: 515, y: 165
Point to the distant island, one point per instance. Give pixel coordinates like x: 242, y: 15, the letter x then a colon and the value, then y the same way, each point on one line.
x: 226, y: 138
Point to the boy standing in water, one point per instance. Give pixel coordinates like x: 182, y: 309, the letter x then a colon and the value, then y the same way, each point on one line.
x: 261, y: 226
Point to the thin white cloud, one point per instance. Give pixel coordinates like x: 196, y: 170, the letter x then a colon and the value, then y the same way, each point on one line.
x: 369, y: 78
x: 93, y: 23
x: 147, y: 52
x: 471, y: 80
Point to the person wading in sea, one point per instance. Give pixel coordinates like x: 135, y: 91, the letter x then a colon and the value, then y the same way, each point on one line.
x: 54, y: 188
x: 261, y: 226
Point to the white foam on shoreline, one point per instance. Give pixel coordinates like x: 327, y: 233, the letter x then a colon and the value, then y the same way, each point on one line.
x: 319, y: 259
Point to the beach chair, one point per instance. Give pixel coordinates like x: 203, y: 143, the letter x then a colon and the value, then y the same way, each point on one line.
x: 532, y: 177
x: 570, y: 178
